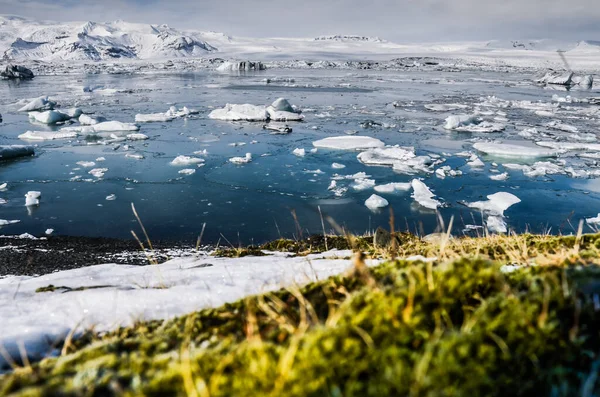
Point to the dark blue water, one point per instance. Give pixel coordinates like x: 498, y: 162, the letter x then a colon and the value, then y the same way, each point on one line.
x: 255, y: 202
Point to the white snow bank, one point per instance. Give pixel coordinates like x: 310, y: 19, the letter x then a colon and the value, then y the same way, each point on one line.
x: 375, y: 202
x: 349, y: 143
x: 39, y: 104
x: 46, y: 135
x: 423, y: 195
x: 496, y: 204
x: 512, y: 150
x: 143, y: 293
x: 246, y: 112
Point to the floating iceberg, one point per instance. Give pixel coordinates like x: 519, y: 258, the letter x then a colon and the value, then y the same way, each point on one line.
x: 8, y: 152
x: 496, y: 204
x: 281, y: 110
x: 39, y: 104
x: 169, y: 115
x: 186, y: 161
x: 4, y: 222
x: 241, y: 160
x: 187, y: 171
x: 16, y: 72
x: 439, y: 107
x: 375, y: 202
x: 98, y: 172
x: 557, y: 78
x: 233, y: 66
x: 455, y: 122
x: 511, y: 150
x: 393, y: 187
x: 49, y: 117
x: 423, y: 195
x: 137, y: 137
x: 32, y: 198
x: 349, y: 143
x: 244, y: 112
x: 85, y: 119
x: 299, y: 152
x: 278, y: 128
x: 496, y: 224
x: 47, y: 135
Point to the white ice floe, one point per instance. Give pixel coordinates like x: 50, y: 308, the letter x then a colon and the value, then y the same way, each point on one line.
x: 349, y: 143
x: 375, y: 202
x: 499, y: 177
x: 32, y: 198
x: 111, y: 197
x: 446, y: 170
x: 277, y: 128
x: 281, y: 110
x: 299, y: 152
x: 423, y: 195
x: 136, y: 156
x: 539, y: 168
x: 187, y: 171
x: 564, y: 146
x: 363, y: 184
x: 8, y: 152
x: 186, y: 161
x: 4, y: 222
x: 169, y: 115
x: 246, y: 112
x: 393, y: 187
x: 560, y: 126
x: 339, y: 191
x: 558, y: 78
x: 49, y: 232
x: 3, y: 186
x: 496, y: 204
x: 137, y: 137
x: 496, y: 224
x: 85, y: 119
x: 337, y: 166
x: 454, y: 122
x: 86, y: 164
x: 241, y: 160
x: 49, y: 117
x: 47, y: 135
x: 512, y: 150
x: 39, y: 104
x: 444, y: 107
x: 98, y: 172
x: 143, y: 293
x: 106, y: 126
x: 475, y: 162
x: 593, y: 221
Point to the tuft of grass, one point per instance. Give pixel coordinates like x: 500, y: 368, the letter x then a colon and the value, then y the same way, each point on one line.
x: 458, y: 325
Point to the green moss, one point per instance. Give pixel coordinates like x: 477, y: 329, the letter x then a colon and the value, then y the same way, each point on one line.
x: 460, y: 327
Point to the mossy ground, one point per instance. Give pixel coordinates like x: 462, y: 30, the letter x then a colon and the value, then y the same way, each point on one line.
x: 456, y: 326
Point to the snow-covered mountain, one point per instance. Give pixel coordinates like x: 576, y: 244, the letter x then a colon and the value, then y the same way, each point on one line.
x: 22, y: 38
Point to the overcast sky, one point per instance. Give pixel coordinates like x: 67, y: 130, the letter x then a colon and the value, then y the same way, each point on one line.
x: 397, y: 20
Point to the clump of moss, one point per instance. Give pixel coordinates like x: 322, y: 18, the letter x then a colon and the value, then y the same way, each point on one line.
x: 319, y: 243
x: 457, y: 326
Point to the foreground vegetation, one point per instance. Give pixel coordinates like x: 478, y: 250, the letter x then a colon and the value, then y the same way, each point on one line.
x: 461, y: 324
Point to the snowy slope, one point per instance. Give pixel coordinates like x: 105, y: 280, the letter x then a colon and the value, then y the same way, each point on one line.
x: 22, y: 38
